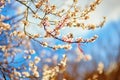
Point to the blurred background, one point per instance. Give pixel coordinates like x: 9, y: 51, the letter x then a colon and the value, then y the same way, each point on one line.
x: 105, y: 51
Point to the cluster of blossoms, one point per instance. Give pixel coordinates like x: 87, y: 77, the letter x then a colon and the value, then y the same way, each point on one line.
x: 100, y: 68
x: 72, y: 17
x: 50, y: 73
x: 3, y: 26
x: 33, y: 68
